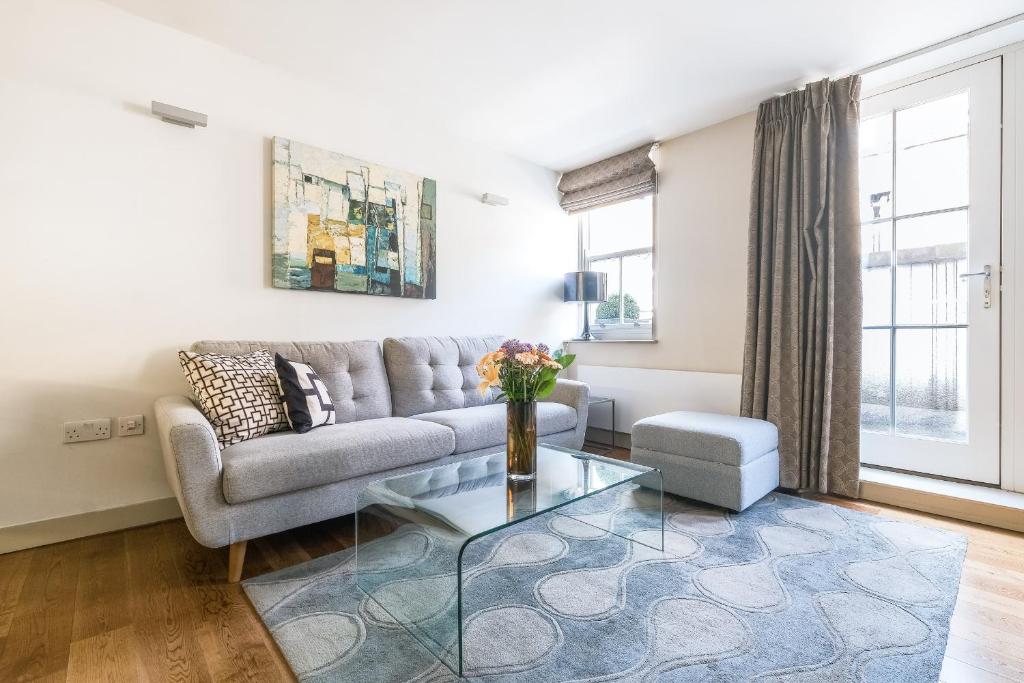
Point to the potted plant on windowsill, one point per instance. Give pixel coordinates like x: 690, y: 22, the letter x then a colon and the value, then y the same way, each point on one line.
x: 525, y: 374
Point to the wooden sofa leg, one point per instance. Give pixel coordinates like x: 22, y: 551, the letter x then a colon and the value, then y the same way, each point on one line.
x: 236, y: 558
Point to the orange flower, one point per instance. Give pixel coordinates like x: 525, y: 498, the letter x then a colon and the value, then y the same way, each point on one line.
x: 548, y: 361
x: 489, y: 359
x: 528, y: 358
x: 489, y: 372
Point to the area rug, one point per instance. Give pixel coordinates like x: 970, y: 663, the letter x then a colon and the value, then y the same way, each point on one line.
x: 788, y: 590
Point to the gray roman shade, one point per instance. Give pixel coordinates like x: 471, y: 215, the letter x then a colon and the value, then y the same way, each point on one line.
x: 624, y: 176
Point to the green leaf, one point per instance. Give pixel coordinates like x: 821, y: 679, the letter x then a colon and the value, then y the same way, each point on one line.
x: 546, y: 386
x: 566, y: 360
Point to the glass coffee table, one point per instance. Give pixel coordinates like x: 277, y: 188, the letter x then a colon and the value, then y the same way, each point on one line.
x: 413, y: 530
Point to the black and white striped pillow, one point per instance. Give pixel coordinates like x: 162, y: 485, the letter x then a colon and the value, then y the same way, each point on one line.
x: 306, y: 401
x: 238, y: 394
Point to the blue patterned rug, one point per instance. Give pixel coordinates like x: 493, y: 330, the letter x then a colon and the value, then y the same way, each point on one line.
x: 789, y: 590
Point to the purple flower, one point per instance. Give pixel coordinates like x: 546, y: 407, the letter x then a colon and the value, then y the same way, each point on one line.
x: 513, y: 346
x: 544, y: 348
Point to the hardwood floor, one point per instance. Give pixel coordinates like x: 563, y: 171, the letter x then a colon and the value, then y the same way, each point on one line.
x: 150, y: 604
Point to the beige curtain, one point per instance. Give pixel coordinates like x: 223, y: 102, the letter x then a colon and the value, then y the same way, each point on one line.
x: 802, y: 355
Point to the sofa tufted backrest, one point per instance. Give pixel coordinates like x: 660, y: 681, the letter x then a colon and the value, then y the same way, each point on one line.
x: 435, y: 373
x: 353, y: 371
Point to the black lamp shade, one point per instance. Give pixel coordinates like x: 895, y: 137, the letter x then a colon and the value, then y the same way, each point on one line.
x: 586, y: 285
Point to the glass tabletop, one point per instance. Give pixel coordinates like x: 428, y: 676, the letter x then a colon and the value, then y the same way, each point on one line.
x: 475, y: 497
x: 412, y: 530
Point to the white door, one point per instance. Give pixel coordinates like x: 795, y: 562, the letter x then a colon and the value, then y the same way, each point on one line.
x: 930, y: 178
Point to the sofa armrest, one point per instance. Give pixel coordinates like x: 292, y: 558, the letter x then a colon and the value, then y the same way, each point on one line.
x: 193, y: 466
x: 575, y: 395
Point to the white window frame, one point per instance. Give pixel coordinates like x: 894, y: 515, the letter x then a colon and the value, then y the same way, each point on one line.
x: 622, y: 330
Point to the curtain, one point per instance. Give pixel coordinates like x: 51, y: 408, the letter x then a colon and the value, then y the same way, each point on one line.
x: 802, y: 352
x: 624, y: 176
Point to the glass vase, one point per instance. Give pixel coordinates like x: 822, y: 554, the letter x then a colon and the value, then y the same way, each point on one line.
x: 522, y: 440
x: 521, y: 495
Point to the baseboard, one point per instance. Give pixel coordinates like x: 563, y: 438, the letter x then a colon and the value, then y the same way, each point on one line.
x: 59, y: 529
x: 948, y: 499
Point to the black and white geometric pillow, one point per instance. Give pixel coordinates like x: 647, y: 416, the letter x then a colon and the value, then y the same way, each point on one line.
x: 306, y: 401
x: 238, y: 394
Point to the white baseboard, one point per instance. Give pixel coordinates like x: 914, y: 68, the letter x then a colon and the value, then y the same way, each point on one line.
x: 59, y: 529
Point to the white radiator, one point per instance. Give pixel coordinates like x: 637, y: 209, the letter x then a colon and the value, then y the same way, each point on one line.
x: 641, y: 392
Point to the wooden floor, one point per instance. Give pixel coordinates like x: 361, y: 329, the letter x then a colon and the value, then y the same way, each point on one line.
x: 150, y: 604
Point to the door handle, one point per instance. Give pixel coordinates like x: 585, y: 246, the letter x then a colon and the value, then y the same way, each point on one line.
x: 985, y: 272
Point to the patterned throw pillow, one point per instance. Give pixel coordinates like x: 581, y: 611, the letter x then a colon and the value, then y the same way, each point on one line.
x: 238, y: 394
x: 306, y: 401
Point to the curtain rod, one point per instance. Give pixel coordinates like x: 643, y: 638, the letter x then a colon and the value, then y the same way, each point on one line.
x: 945, y: 43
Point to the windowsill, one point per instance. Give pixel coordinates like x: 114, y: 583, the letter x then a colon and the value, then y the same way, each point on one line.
x: 611, y: 341
x: 971, y: 502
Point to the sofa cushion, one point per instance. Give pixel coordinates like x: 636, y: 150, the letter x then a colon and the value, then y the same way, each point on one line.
x: 429, y: 374
x: 287, y: 461
x: 484, y: 426
x: 353, y: 371
x: 725, y: 439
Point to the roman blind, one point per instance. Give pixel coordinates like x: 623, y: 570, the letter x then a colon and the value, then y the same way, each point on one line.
x: 623, y: 176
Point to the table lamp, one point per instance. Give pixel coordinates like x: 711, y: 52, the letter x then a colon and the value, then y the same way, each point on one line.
x: 589, y: 287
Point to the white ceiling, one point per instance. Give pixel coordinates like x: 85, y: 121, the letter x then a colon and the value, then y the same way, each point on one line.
x: 566, y: 82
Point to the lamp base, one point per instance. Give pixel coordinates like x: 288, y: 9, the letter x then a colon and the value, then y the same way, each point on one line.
x: 585, y: 336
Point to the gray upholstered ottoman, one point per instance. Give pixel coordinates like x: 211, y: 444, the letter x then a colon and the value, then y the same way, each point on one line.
x: 719, y: 459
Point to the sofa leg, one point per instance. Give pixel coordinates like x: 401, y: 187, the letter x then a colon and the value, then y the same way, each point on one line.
x: 236, y: 558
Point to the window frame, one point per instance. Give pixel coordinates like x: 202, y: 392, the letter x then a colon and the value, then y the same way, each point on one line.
x: 622, y: 330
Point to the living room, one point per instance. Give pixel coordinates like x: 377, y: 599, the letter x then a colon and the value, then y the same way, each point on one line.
x: 532, y: 342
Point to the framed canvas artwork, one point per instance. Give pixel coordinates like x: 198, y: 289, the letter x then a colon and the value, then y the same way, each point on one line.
x: 345, y: 225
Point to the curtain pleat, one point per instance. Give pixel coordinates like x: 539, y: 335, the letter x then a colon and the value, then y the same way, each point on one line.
x: 802, y: 352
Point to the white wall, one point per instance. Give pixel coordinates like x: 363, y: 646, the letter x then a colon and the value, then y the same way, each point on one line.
x: 126, y: 238
x: 1012, y: 395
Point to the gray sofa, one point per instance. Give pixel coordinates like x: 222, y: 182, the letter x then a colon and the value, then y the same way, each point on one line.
x: 411, y: 407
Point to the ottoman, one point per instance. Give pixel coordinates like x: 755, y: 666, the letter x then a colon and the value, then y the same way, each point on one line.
x: 719, y: 459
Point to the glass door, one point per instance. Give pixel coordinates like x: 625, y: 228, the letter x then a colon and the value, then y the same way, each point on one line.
x: 930, y: 178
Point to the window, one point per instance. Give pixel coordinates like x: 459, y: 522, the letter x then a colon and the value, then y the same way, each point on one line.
x: 914, y: 196
x: 619, y: 240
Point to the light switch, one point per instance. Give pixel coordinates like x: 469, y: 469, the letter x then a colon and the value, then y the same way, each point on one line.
x: 130, y: 425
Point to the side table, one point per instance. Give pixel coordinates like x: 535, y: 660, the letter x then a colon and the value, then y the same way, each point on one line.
x: 599, y: 400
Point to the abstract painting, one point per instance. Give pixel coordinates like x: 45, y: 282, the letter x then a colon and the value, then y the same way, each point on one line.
x: 345, y: 225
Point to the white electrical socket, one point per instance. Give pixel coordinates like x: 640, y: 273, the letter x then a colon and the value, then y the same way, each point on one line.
x: 131, y: 425
x: 87, y: 430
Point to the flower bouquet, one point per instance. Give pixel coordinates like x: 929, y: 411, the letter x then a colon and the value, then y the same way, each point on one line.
x: 524, y: 373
